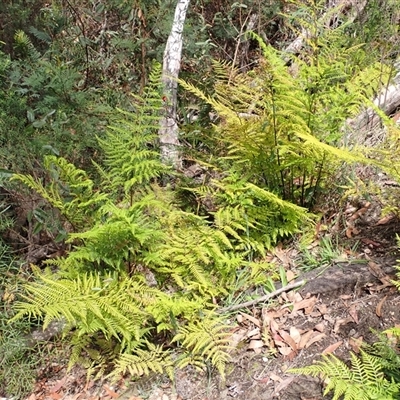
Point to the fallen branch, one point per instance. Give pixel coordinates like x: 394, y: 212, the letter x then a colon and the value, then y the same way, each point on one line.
x: 262, y: 298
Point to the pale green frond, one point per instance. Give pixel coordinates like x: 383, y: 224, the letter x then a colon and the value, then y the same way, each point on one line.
x: 207, y: 338
x: 143, y: 361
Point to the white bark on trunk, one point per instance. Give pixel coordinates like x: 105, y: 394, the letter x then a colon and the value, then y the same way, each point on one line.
x: 169, y: 131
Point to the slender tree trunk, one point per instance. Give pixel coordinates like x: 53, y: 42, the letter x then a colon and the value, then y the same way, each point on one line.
x: 169, y: 131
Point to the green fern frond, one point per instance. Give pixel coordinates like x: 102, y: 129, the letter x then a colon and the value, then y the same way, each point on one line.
x: 128, y: 235
x: 130, y: 146
x: 365, y: 379
x: 24, y: 46
x: 207, y: 338
x: 282, y: 127
x: 143, y: 361
x: 71, y: 191
x: 91, y: 303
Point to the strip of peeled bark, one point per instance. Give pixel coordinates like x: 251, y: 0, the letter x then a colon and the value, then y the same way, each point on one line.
x: 169, y: 131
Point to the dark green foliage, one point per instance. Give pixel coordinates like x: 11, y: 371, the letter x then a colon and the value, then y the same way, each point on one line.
x: 17, y: 15
x: 45, y: 111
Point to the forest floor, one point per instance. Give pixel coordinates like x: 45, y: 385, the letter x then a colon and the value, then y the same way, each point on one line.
x: 334, y: 312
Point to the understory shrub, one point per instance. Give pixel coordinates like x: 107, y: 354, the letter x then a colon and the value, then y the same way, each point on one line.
x: 141, y: 266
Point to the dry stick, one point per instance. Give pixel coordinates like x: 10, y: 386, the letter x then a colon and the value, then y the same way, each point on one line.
x: 262, y: 298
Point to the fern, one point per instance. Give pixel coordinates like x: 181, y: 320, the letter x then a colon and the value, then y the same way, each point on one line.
x: 130, y: 146
x: 25, y: 48
x: 365, y: 379
x: 207, y: 338
x: 90, y: 303
x: 71, y: 191
x: 252, y: 218
x: 140, y: 263
x: 145, y: 360
x: 281, y: 129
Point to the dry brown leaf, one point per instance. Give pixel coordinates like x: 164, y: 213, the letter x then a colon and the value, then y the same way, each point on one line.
x: 288, y: 339
x: 265, y: 317
x: 285, y: 350
x: 332, y: 347
x: 56, y: 396
x: 255, y: 344
x: 320, y: 327
x: 304, y: 339
x: 350, y: 209
x: 349, y: 232
x: 322, y: 308
x: 282, y: 256
x: 385, y: 220
x: 375, y: 269
x: 110, y: 392
x: 274, y: 326
x: 290, y: 275
x: 288, y: 296
x: 274, y: 313
x: 295, y: 334
x: 370, y: 242
x: 284, y: 297
x: 354, y: 313
x: 378, y: 310
x: 298, y: 297
x: 360, y: 212
x: 279, y: 343
x: 252, y: 319
x: 274, y: 377
x: 253, y: 332
x: 328, y: 318
x: 340, y: 322
x: 239, y: 318
x: 291, y: 356
x: 59, y: 384
x: 314, y: 339
x: 305, y: 304
x: 237, y: 337
x: 387, y: 281
x: 356, y: 344
x: 314, y: 314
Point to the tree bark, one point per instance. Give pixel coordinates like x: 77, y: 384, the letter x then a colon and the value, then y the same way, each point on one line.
x: 169, y: 131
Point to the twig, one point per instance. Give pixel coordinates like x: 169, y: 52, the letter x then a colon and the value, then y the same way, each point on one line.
x: 262, y: 298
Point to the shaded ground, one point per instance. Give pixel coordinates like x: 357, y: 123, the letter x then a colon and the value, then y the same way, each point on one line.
x: 333, y: 312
